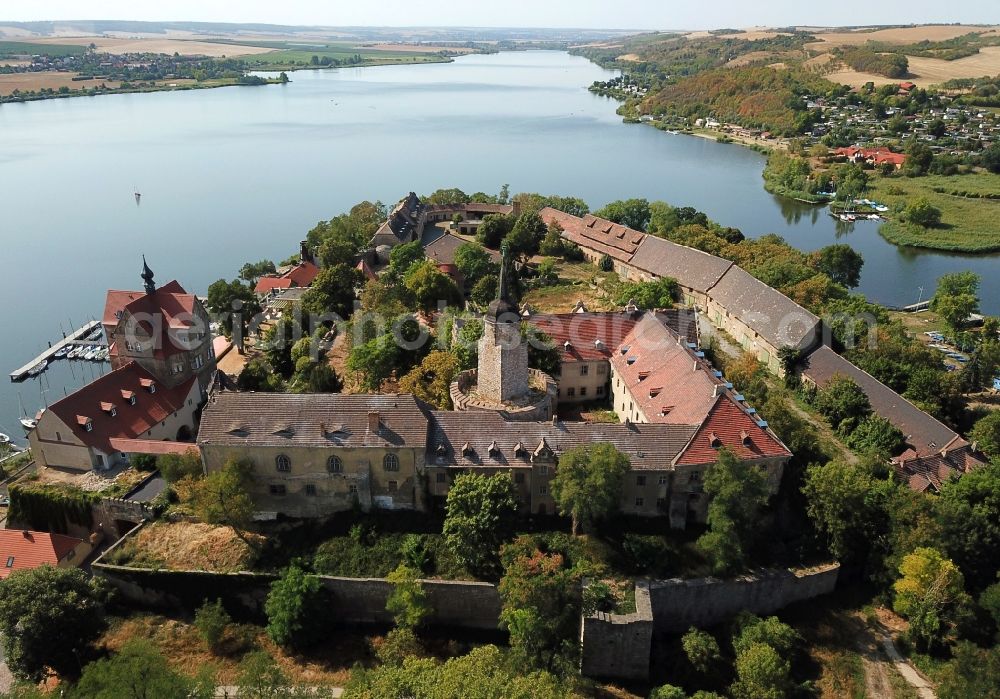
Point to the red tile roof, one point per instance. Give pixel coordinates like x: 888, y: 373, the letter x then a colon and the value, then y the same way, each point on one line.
x: 661, y: 371
x: 730, y: 426
x: 366, y: 271
x: 268, y: 284
x: 26, y: 550
x: 606, y: 237
x: 591, y: 336
x: 131, y: 421
x: 170, y: 304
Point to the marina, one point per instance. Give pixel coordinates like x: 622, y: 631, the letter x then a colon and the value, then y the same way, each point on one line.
x: 80, y: 344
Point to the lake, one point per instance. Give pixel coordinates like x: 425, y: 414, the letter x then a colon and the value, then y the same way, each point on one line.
x: 238, y: 174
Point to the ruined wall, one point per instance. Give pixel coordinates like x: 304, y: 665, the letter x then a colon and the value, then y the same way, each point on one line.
x: 618, y: 645
x: 679, y: 604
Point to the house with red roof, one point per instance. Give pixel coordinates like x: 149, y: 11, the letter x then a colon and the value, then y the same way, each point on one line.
x: 27, y: 550
x: 301, y: 275
x: 162, y: 360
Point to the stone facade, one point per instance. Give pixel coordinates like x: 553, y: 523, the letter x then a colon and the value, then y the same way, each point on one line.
x: 618, y: 645
x: 503, y: 361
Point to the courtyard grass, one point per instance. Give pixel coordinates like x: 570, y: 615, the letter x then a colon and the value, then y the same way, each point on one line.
x: 969, y: 204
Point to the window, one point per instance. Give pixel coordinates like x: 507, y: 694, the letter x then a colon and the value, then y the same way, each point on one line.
x: 58, y: 437
x: 283, y: 463
x: 519, y: 478
x: 662, y: 480
x: 393, y: 486
x: 543, y: 470
x: 584, y: 370
x: 114, y: 412
x: 602, y: 369
x: 88, y: 426
x: 390, y: 462
x: 639, y: 502
x: 570, y: 392
x: 334, y: 465
x: 661, y: 503
x: 277, y: 489
x: 600, y: 390
x: 132, y: 400
x: 543, y: 490
x: 10, y: 561
x: 310, y: 489
x: 694, y: 476
x: 583, y: 391
x: 352, y: 489
x: 640, y: 480
x: 152, y: 388
x: 441, y: 478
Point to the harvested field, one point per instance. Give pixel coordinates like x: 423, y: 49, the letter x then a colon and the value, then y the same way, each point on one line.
x: 32, y: 82
x: 906, y: 35
x: 170, y: 46
x: 754, y: 35
x: 416, y: 48
x: 631, y: 57
x: 187, y: 546
x: 929, y: 71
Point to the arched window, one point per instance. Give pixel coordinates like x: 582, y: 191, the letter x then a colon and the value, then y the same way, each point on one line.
x: 390, y: 462
x: 334, y: 465
x: 283, y: 463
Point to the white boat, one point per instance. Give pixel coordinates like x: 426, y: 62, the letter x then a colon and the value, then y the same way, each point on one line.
x: 73, y: 353
x: 4, y: 439
x: 61, y: 352
x: 28, y: 424
x: 89, y: 356
x: 39, y: 368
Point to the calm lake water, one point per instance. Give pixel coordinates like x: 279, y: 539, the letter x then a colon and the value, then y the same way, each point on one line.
x: 239, y: 174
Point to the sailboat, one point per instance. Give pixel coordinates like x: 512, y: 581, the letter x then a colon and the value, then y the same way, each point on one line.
x: 138, y: 195
x: 26, y: 422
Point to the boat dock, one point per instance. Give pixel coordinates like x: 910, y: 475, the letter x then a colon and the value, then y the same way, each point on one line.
x: 74, y: 338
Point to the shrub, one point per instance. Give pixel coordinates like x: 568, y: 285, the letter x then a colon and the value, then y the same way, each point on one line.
x: 211, y: 620
x: 294, y: 609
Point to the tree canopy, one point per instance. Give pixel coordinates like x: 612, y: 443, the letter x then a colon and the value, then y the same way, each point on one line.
x: 294, y: 608
x: 588, y: 482
x: 480, y: 511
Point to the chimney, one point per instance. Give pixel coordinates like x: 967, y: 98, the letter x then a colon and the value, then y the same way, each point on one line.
x: 304, y: 252
x: 374, y: 422
x: 516, y: 204
x: 27, y: 535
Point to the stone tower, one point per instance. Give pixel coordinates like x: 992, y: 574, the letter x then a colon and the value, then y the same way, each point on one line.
x: 503, y: 354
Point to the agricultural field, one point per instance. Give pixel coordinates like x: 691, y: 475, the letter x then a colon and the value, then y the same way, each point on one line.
x: 275, y: 55
x: 969, y: 204
x: 898, y: 35
x: 32, y: 82
x: 57, y: 49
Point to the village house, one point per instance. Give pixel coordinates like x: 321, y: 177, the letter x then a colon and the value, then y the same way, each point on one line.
x: 298, y: 276
x: 163, y: 362
x: 21, y: 549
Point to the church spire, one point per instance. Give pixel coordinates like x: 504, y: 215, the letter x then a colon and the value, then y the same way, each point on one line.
x: 147, y: 277
x: 502, y: 305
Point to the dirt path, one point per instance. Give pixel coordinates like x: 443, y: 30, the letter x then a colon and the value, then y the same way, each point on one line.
x: 909, y: 673
x: 877, y: 685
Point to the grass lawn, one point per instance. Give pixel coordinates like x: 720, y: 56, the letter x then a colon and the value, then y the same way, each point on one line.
x: 970, y: 209
x: 578, y: 281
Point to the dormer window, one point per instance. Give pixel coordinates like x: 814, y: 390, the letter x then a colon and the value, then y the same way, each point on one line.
x: 494, y: 450
x: 654, y: 392
x: 110, y: 409
x: 643, y: 375
x: 467, y: 450
x: 88, y: 426
x: 745, y: 438
x: 714, y: 440
x: 132, y: 399
x: 119, y: 313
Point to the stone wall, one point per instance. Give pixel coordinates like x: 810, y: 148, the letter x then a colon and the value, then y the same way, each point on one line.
x: 680, y: 604
x: 460, y: 604
x: 618, y: 645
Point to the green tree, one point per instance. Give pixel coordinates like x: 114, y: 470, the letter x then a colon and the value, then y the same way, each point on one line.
x: 738, y: 492
x: 877, y: 435
x: 211, y: 620
x: 407, y: 602
x: 479, y: 514
x: 474, y: 263
x: 986, y: 434
x: 257, y: 375
x: 540, y: 592
x: 701, y: 649
x: 260, y: 677
x: 430, y: 381
x: 848, y: 506
x: 761, y: 674
x: 493, y: 230
x: 252, y: 271
x: 968, y: 512
x: 659, y: 294
x: 922, y: 213
x: 770, y: 631
x: 930, y: 594
x: 403, y: 257
x: 989, y: 600
x: 466, y: 345
x: 843, y: 403
x: 174, y: 467
x: 526, y: 235
x: 226, y: 299
x: 484, y: 291
x: 294, y: 608
x: 588, y: 482
x: 990, y: 158
x: 553, y: 244
x: 919, y: 157
x: 668, y: 691
x: 223, y: 497
x: 48, y: 619
x: 633, y: 213
x: 333, y: 291
x: 374, y: 361
x: 972, y: 672
x: 840, y: 262
x: 430, y: 286
x: 956, y: 298
x: 139, y: 671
